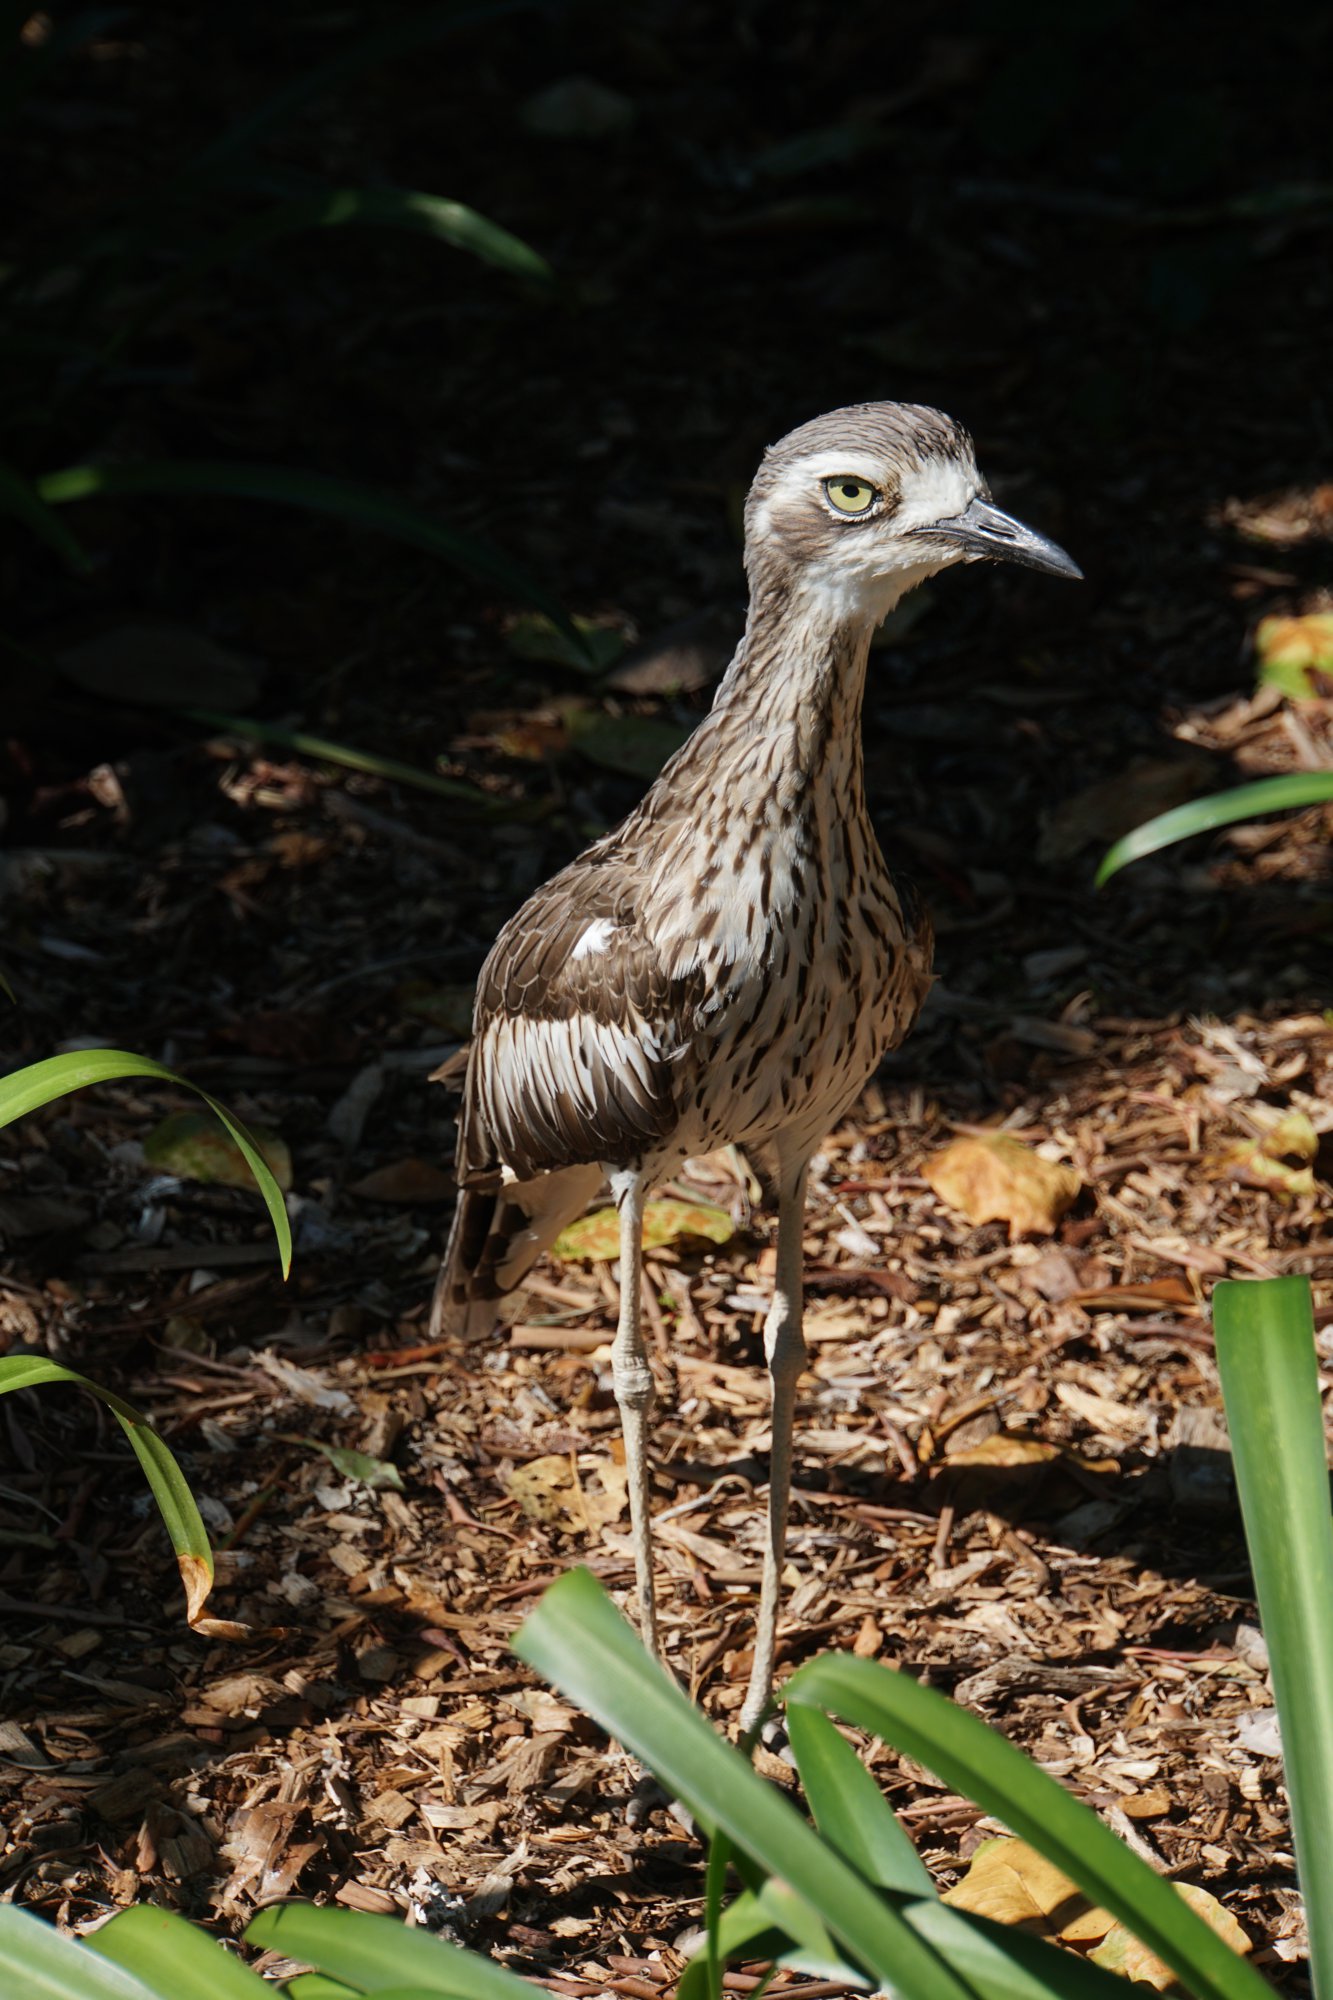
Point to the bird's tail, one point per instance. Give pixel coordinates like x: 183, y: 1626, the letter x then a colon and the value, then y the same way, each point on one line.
x: 496, y: 1237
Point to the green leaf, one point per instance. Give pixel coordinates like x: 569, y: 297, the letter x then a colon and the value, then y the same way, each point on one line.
x: 314, y: 493
x: 999, y: 1963
x: 1296, y: 654
x: 343, y: 754
x: 174, y: 1958
x: 372, y: 1952
x: 39, y: 1964
x: 169, y: 1486
x: 359, y: 1465
x: 636, y: 744
x: 27, y: 1089
x: 976, y: 1760
x: 578, y: 1641
x: 748, y: 1930
x: 1266, y: 795
x: 190, y: 1144
x: 533, y: 637
x: 1270, y: 1386
x: 849, y: 1809
x: 25, y: 504
x: 318, y: 1986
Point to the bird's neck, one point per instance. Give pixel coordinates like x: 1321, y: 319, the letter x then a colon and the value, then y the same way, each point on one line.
x: 797, y: 682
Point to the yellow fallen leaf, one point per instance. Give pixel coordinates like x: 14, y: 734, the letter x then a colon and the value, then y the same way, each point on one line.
x: 1120, y: 1951
x: 996, y: 1178
x: 1296, y: 654
x: 1011, y: 1883
x: 1281, y: 1159
x: 549, y: 1489
x: 596, y: 1237
x: 1006, y: 1448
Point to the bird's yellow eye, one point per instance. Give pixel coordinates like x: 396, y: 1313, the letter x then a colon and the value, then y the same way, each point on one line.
x: 850, y: 495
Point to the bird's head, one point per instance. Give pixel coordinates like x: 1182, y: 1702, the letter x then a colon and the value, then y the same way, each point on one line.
x: 856, y: 507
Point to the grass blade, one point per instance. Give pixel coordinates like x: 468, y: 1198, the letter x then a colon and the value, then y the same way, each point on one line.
x: 175, y: 1958
x: 28, y: 1089
x: 314, y: 493
x: 406, y: 209
x: 848, y: 1807
x: 344, y: 754
x: 170, y: 1489
x: 977, y: 1761
x: 578, y: 1641
x: 24, y: 503
x: 1266, y: 795
x: 1270, y: 1386
x: 372, y: 1952
x: 36, y: 1961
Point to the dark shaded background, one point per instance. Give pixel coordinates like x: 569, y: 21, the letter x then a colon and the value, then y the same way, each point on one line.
x: 1088, y: 232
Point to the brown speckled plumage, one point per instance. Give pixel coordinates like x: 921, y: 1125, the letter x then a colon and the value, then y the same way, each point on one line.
x: 732, y: 962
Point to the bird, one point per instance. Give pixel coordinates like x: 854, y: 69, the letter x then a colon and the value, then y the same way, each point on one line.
x: 729, y: 964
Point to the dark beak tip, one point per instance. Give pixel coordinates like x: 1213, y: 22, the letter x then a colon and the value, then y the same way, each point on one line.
x: 985, y: 531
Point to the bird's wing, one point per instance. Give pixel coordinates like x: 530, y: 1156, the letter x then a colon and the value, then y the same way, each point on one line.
x: 577, y: 1037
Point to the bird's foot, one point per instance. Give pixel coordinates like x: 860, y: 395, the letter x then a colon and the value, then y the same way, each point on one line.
x: 647, y: 1798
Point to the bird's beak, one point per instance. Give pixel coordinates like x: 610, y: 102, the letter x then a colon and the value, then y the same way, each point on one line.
x: 986, y: 532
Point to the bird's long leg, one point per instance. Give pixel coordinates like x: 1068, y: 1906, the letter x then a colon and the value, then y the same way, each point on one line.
x: 784, y: 1345
x: 633, y: 1380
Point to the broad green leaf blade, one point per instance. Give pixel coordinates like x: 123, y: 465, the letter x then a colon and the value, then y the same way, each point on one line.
x: 386, y: 208
x: 1004, y: 1963
x: 174, y: 1958
x: 849, y: 1808
x: 998, y: 1962
x: 977, y: 1761
x: 1270, y: 1386
x: 578, y: 1641
x: 169, y: 1486
x: 25, y: 504
x: 28, y: 1089
x: 318, y: 1986
x: 314, y: 493
x: 345, y: 755
x: 372, y: 1952
x: 747, y: 1930
x: 39, y: 1964
x: 1266, y: 795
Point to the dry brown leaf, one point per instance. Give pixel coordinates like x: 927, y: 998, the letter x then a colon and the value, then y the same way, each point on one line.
x: 996, y: 1178
x: 410, y: 1182
x: 1101, y: 813
x: 1120, y: 1951
x: 1101, y: 1412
